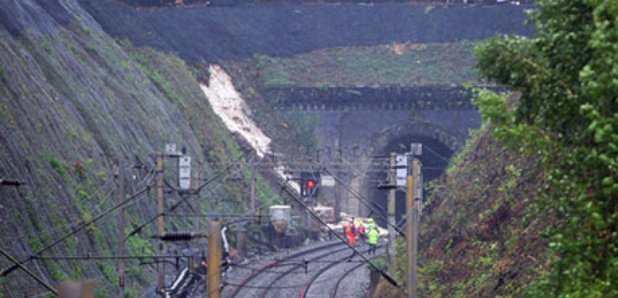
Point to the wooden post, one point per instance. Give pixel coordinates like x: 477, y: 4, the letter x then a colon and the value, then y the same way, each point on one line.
x: 213, y: 286
x: 241, y: 241
x: 121, y: 227
x: 74, y: 289
x: 253, y: 182
x: 338, y: 192
x: 412, y: 228
x: 197, y: 220
x: 160, y: 223
x: 391, y: 214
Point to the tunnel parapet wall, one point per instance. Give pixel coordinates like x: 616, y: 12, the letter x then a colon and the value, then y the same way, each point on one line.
x: 371, y: 98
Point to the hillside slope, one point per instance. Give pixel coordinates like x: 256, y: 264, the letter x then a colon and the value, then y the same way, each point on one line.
x: 234, y: 33
x: 73, y: 103
x: 399, y: 64
x: 476, y: 239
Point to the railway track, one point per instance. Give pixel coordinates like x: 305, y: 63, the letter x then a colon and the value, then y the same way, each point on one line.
x: 278, y: 288
x: 268, y: 269
x: 327, y: 265
x: 333, y: 293
x: 321, y: 290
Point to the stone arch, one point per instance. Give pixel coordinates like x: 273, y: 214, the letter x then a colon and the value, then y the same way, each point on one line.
x: 434, y: 137
x: 418, y: 128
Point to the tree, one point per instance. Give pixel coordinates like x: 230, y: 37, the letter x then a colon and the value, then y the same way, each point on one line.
x: 566, y: 111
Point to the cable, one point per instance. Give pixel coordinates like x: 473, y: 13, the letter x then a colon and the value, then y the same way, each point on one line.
x: 292, y: 263
x: 436, y: 153
x: 21, y: 266
x: 363, y: 200
x: 58, y: 229
x: 275, y: 287
x: 88, y: 257
x: 84, y: 225
x: 387, y: 276
x: 173, y: 207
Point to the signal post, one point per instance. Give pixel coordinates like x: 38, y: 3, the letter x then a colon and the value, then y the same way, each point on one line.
x: 160, y: 223
x: 412, y: 219
x: 391, y: 214
x: 213, y: 279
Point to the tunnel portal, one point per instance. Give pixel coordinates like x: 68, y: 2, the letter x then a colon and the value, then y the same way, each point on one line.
x: 434, y: 160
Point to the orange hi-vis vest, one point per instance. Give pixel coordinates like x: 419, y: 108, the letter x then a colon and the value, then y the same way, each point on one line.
x: 351, y: 229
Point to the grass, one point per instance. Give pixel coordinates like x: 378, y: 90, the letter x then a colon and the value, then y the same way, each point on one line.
x: 46, y: 46
x: 397, y: 64
x: 58, y: 165
x: 474, y: 235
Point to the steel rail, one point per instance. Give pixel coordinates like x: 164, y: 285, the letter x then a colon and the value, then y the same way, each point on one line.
x: 297, y: 266
x: 333, y: 293
x: 384, y: 274
x: 274, y: 263
x: 308, y: 285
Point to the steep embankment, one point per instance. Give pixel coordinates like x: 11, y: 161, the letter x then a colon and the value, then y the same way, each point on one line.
x: 476, y: 240
x: 73, y: 103
x: 233, y: 33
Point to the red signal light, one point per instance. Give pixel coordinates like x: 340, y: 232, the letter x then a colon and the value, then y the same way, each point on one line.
x: 310, y: 184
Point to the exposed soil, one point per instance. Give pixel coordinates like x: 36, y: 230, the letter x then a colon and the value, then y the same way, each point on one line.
x: 231, y: 107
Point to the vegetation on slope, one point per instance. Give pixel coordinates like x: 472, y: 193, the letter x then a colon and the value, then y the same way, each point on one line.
x: 481, y: 240
x: 404, y: 64
x: 567, y: 113
x: 73, y: 103
x: 477, y: 239
x: 538, y: 218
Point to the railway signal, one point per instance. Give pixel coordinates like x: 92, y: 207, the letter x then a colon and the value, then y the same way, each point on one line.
x: 309, y: 185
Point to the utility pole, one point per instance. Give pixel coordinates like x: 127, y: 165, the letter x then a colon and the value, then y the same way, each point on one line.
x: 241, y: 240
x: 213, y: 285
x: 121, y: 227
x: 412, y: 221
x: 72, y: 289
x: 198, y: 211
x: 160, y: 223
x: 410, y: 227
x: 391, y: 214
x: 253, y: 181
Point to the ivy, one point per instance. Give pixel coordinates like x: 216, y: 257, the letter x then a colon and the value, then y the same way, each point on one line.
x: 565, y: 109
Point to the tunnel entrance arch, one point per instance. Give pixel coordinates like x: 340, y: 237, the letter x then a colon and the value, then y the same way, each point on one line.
x: 438, y: 147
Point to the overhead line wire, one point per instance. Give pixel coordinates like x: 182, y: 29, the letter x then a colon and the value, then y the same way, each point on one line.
x: 97, y: 208
x: 173, y: 207
x: 84, y: 225
x: 363, y: 200
x: 387, y: 276
x: 22, y: 267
